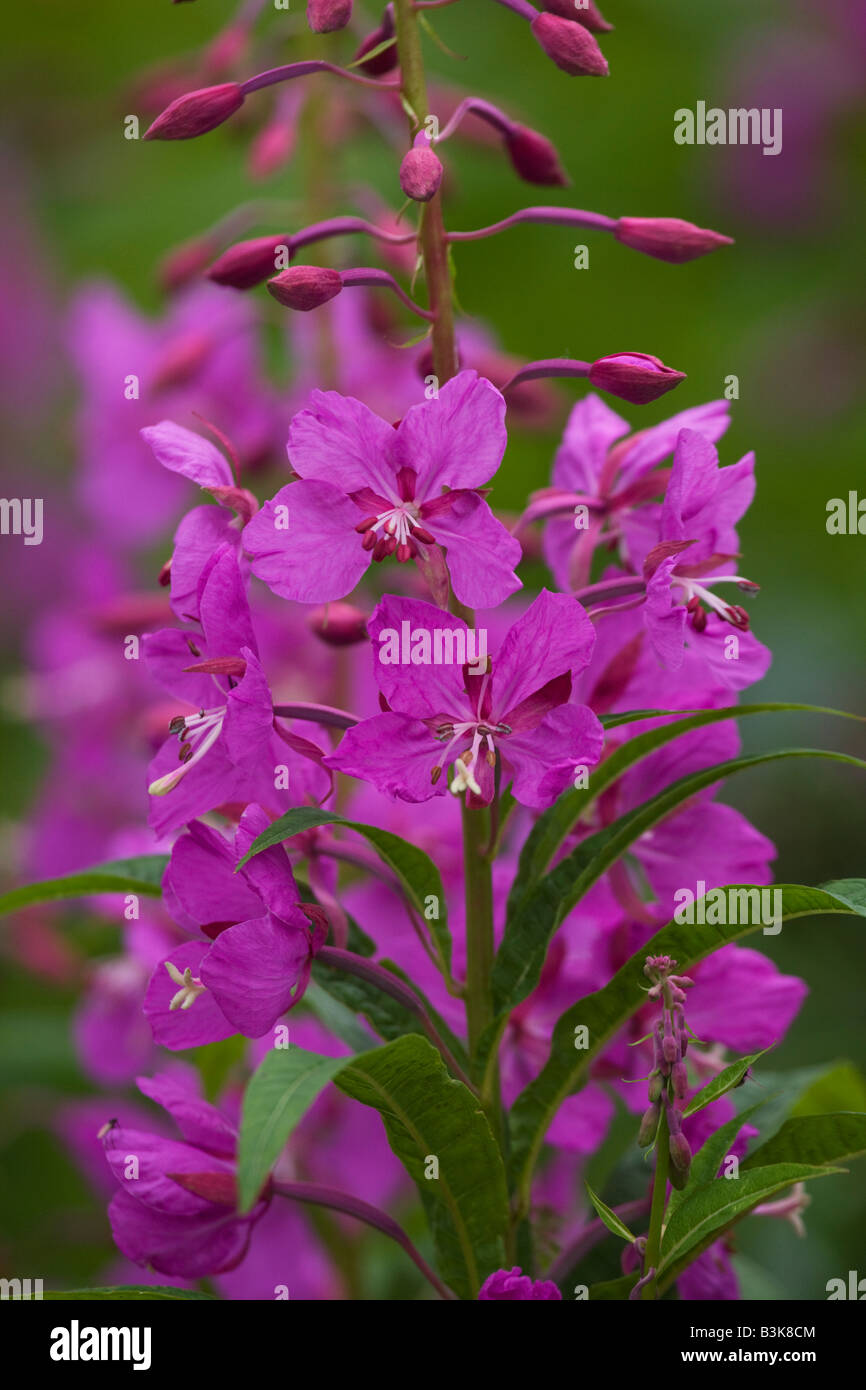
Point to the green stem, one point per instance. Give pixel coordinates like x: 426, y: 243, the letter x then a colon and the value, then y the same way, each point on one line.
x: 652, y: 1257
x: 434, y: 245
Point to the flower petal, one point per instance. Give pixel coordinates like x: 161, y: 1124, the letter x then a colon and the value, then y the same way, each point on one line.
x: 317, y: 556
x: 456, y: 440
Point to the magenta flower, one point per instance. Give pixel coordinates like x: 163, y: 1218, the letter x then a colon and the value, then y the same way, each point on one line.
x: 511, y: 1286
x: 262, y: 944
x: 229, y: 751
x: 605, y: 469
x: 515, y: 716
x: 154, y: 1219
x: 205, y: 529
x: 696, y: 547
x: 368, y: 491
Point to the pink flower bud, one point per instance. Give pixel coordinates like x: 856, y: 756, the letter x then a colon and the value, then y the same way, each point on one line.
x: 196, y: 113
x: 681, y: 1154
x: 648, y: 1126
x: 634, y: 376
x: 420, y: 174
x: 656, y: 1086
x: 680, y: 1078
x: 324, y: 16
x: 339, y: 624
x: 387, y: 59
x: 571, y: 47
x: 247, y: 263
x: 668, y: 238
x: 584, y: 12
x: 305, y: 287
x: 534, y: 157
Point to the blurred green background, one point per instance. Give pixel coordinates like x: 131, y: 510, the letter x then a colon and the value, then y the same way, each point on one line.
x: 783, y: 310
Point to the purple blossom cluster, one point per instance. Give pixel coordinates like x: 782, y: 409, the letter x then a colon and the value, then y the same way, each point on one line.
x: 259, y: 674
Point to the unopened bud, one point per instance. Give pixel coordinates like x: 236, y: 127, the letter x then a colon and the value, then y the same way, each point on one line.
x: 584, y: 12
x: 197, y: 112
x: 385, y: 61
x: 656, y: 1086
x: 247, y: 263
x: 648, y: 1126
x: 570, y: 46
x: 680, y: 1078
x: 668, y: 238
x: 681, y: 1154
x: 534, y: 157
x: 634, y: 376
x: 338, y: 624
x: 420, y: 174
x: 305, y: 287
x: 325, y: 16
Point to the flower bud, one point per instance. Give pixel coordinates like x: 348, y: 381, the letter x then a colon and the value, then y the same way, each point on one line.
x: 648, y: 1126
x: 656, y: 1087
x: 571, y: 47
x: 680, y: 1078
x: 196, y: 113
x: 385, y: 61
x: 338, y: 624
x: 325, y: 16
x: 247, y: 263
x: 668, y: 238
x: 534, y: 157
x: 634, y: 376
x: 305, y: 287
x: 681, y: 1154
x: 420, y: 174
x: 584, y: 12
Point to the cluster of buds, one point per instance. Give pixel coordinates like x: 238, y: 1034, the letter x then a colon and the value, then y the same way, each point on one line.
x: 668, y: 1080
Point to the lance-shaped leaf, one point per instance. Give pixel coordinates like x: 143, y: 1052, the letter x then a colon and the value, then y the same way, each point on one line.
x: 437, y: 1129
x: 553, y: 827
x: 815, y: 1139
x: 279, y: 1094
x: 606, y: 1011
x: 141, y: 875
x: 609, y: 1217
x: 529, y: 929
x: 414, y: 870
x: 715, y: 1206
x: 732, y: 1075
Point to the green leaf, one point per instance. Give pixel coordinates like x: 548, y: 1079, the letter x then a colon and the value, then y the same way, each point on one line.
x: 612, y: 1290
x: 726, y: 1080
x: 415, y: 870
x: 839, y: 1086
x: 337, y: 1017
x: 610, y: 1218
x: 279, y: 1094
x: 429, y: 1115
x: 531, y: 925
x: 606, y: 1011
x: 815, y: 1139
x: 142, y: 875
x: 552, y: 828
x: 128, y: 1293
x: 715, y: 1206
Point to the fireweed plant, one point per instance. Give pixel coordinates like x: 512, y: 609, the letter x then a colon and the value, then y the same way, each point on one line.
x: 472, y: 831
